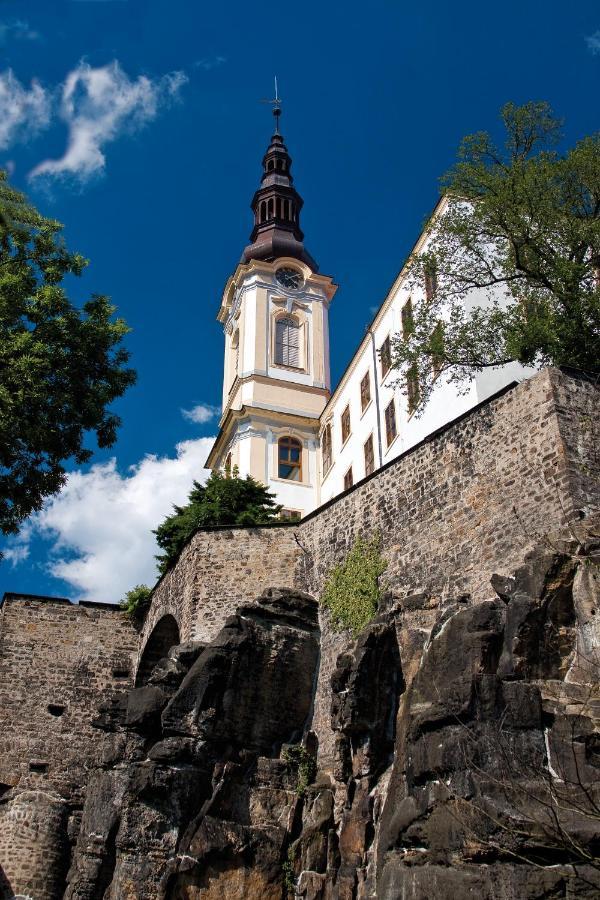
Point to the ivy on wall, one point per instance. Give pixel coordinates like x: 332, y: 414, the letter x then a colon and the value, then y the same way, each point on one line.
x: 351, y: 592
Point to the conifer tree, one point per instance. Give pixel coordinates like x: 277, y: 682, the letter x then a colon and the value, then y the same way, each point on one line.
x: 225, y: 499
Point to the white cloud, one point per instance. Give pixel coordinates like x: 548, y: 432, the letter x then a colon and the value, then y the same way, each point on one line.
x: 18, y: 549
x: 18, y: 30
x: 201, y: 413
x: 210, y: 62
x: 100, y: 524
x: 23, y: 111
x: 99, y: 105
x: 593, y: 42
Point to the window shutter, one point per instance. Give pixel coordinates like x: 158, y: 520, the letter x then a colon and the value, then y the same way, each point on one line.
x: 293, y: 331
x: 287, y: 343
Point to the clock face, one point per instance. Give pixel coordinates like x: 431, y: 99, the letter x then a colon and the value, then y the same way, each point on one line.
x: 289, y: 278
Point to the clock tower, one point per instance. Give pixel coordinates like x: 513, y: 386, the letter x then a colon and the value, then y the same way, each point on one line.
x: 274, y: 313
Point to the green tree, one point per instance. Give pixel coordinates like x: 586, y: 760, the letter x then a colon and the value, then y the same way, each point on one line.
x: 60, y: 367
x: 136, y: 601
x: 225, y: 499
x: 513, y: 265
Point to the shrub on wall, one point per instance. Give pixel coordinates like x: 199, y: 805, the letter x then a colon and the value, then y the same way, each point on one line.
x: 351, y: 592
x: 136, y: 601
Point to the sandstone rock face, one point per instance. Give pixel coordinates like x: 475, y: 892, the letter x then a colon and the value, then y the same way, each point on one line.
x: 466, y: 763
x: 446, y: 735
x: 191, y: 798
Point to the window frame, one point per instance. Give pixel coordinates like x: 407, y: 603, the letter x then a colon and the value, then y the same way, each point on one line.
x: 346, y: 474
x: 278, y: 319
x: 369, y: 441
x: 387, y: 356
x: 326, y: 443
x: 366, y: 378
x: 296, y: 465
x: 431, y: 282
x: 286, y: 514
x: 407, y: 319
x: 413, y: 389
x: 437, y: 361
x: 346, y: 421
x: 392, y: 405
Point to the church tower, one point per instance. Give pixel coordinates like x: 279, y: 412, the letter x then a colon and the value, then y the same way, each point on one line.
x: 274, y: 314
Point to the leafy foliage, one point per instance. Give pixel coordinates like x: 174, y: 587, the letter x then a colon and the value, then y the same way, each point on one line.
x: 225, y: 499
x: 136, y: 601
x: 289, y: 876
x: 301, y: 761
x: 522, y: 232
x: 60, y: 367
x: 351, y: 593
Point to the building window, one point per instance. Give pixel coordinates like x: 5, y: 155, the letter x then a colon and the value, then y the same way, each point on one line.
x: 345, y: 425
x: 408, y: 322
x: 228, y: 465
x: 348, y: 479
x: 290, y: 515
x: 365, y: 392
x: 369, y: 456
x: 235, y: 346
x: 412, y: 389
x: 437, y: 346
x: 390, y: 422
x: 385, y: 355
x: 290, y: 459
x: 287, y: 342
x: 326, y: 449
x: 430, y: 280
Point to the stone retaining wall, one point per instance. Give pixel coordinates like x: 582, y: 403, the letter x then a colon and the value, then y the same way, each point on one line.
x: 57, y: 662
x: 217, y: 572
x: 462, y: 505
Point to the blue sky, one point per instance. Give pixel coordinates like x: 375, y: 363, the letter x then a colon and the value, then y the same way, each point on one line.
x: 138, y: 124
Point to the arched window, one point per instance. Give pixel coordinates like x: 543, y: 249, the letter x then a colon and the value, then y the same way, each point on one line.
x: 270, y: 209
x: 290, y: 459
x: 326, y: 449
x: 263, y: 211
x: 287, y: 342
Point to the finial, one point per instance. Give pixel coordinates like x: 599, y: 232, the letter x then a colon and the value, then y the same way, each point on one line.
x: 276, y: 107
x: 276, y: 104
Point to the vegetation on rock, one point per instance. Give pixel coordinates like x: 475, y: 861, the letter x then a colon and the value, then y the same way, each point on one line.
x: 225, y: 499
x: 301, y: 761
x: 351, y: 592
x: 136, y: 601
x: 60, y: 366
x: 523, y: 224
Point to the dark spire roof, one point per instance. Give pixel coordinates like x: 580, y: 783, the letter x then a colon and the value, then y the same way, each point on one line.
x: 276, y: 206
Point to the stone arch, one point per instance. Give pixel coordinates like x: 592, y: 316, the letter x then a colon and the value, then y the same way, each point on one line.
x: 164, y: 635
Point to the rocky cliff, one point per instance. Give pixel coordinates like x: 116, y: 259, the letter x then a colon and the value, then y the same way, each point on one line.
x: 466, y: 762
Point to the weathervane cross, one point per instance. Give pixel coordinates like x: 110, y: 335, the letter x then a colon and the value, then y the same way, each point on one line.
x: 276, y: 104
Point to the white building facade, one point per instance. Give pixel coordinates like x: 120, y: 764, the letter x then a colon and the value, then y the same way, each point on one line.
x: 281, y: 423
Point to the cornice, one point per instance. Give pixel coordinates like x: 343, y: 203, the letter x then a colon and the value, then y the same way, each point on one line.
x: 233, y: 288
x: 261, y: 413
